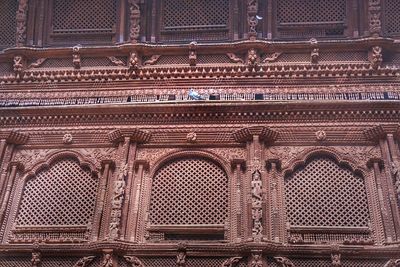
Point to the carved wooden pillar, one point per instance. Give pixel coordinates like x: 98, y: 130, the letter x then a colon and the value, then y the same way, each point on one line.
x: 7, y: 147
x: 273, y: 228
x: 13, y: 167
x: 120, y: 189
x: 237, y: 200
x: 133, y: 216
x: 384, y: 134
x: 255, y: 181
x: 105, y: 177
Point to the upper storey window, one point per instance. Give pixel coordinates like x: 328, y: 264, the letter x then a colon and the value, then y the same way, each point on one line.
x: 83, y: 21
x: 8, y: 22
x: 184, y: 20
x: 310, y: 18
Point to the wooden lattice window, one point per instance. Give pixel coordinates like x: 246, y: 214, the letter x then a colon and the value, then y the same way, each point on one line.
x: 392, y: 11
x: 189, y: 198
x: 325, y: 200
x: 83, y: 21
x: 197, y: 20
x: 310, y: 18
x: 58, y: 203
x: 8, y: 22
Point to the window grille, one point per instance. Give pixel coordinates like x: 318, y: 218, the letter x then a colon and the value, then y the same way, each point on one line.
x: 8, y: 26
x: 392, y: 11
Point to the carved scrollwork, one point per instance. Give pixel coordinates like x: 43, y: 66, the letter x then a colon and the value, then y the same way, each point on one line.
x: 134, y: 261
x: 231, y: 262
x: 116, y: 61
x: 84, y: 262
x: 153, y: 60
x: 234, y: 58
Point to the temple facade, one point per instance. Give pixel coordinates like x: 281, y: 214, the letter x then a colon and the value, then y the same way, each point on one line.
x: 199, y: 133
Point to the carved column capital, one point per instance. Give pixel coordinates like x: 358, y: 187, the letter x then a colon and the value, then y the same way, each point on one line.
x: 238, y: 162
x: 17, y: 138
x: 144, y: 163
x: 135, y: 135
x: 381, y: 131
x: 265, y: 134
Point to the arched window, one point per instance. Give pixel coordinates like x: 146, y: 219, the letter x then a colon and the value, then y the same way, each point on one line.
x: 57, y: 203
x: 325, y: 200
x: 189, y: 199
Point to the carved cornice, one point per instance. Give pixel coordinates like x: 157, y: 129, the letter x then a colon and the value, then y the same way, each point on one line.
x: 204, y: 112
x: 265, y: 134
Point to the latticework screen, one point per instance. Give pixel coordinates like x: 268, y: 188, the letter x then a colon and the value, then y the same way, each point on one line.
x: 311, y: 18
x: 392, y: 16
x: 63, y: 195
x: 325, y: 194
x: 8, y: 22
x: 190, y: 191
x: 72, y: 20
x: 322, y: 199
x: 194, y: 20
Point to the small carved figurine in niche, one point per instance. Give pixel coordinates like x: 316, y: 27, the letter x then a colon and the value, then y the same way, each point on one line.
x: 192, y: 53
x: 76, y: 56
x: 256, y: 260
x: 252, y: 57
x: 376, y: 57
x: 107, y: 261
x: 36, y: 259
x: 335, y: 257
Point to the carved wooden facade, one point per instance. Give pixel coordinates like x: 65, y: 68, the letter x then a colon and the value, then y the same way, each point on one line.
x: 199, y: 133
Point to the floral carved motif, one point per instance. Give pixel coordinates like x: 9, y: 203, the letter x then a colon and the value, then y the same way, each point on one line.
x: 396, y: 175
x: 234, y: 58
x: 152, y: 155
x: 375, y: 24
x: 97, y: 155
x: 30, y: 158
x: 135, y: 20
x: 256, y: 260
x: 21, y: 22
x: 229, y: 153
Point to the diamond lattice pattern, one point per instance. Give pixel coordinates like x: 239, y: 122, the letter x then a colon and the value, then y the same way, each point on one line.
x: 8, y: 22
x: 189, y: 191
x: 325, y: 194
x: 64, y: 194
x: 195, y: 13
x: 392, y: 16
x: 87, y: 15
x: 307, y: 11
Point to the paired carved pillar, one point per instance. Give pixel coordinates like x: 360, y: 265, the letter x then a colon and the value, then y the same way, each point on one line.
x: 120, y: 188
x: 8, y: 169
x: 387, y: 174
x: 256, y: 182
